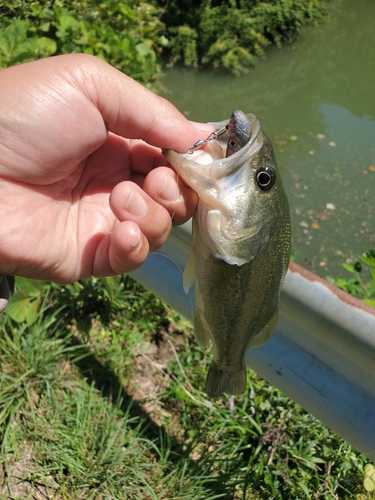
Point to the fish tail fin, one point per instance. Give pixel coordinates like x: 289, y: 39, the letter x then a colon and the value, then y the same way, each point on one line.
x: 219, y: 382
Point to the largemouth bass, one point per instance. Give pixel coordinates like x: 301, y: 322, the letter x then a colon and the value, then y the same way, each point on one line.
x: 241, y: 236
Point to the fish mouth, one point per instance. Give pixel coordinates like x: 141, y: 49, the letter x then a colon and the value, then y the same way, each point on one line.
x: 223, y: 138
x: 213, y: 154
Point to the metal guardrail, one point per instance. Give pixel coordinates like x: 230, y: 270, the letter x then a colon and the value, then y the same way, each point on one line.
x: 322, y: 354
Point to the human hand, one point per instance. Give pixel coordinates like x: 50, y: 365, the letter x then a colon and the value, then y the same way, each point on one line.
x: 84, y: 188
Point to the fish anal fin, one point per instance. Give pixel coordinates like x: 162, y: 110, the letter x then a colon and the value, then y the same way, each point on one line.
x: 265, y: 333
x: 201, y: 334
x: 188, y: 276
x: 218, y: 382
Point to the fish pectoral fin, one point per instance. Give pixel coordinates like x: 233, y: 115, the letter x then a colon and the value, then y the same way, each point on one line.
x: 265, y: 333
x: 188, y: 276
x: 201, y: 335
x: 218, y: 382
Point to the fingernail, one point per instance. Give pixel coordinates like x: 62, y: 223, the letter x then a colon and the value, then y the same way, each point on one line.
x: 203, y: 126
x: 136, y: 205
x: 169, y: 190
x: 137, y: 239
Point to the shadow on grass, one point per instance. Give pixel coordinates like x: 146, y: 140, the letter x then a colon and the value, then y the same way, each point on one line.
x: 201, y: 472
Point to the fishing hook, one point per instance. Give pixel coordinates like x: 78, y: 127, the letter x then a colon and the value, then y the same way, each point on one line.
x: 214, y: 135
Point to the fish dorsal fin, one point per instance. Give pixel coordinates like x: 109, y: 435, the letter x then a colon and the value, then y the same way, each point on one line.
x: 265, y: 333
x: 188, y: 276
x: 201, y: 334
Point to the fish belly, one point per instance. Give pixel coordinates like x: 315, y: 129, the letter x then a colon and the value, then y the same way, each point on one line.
x: 236, y: 308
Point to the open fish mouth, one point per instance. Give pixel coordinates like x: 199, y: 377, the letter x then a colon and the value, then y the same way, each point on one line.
x: 214, y: 147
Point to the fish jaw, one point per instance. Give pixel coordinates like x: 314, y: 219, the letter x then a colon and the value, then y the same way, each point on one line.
x: 196, y: 170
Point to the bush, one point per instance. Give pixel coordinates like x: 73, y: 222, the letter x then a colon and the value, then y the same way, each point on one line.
x: 128, y: 35
x: 233, y: 34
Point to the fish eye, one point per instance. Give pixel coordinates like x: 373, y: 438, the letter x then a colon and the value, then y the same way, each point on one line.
x: 232, y: 144
x: 265, y: 178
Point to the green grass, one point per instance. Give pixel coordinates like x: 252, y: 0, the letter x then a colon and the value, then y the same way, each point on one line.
x: 361, y: 283
x: 100, y: 398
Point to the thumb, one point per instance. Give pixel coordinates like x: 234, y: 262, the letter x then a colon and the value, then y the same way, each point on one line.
x: 130, y: 110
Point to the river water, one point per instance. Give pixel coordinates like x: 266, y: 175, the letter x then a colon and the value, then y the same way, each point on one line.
x: 316, y: 101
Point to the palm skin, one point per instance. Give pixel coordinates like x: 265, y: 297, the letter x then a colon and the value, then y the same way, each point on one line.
x: 84, y: 187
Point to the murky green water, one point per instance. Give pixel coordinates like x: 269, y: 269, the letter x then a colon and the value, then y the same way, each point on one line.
x: 316, y: 101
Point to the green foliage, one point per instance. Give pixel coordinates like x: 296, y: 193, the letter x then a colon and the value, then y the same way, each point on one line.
x: 79, y: 441
x: 362, y: 284
x: 69, y: 427
x: 234, y: 38
x: 128, y: 35
x: 27, y: 300
x: 131, y: 35
x: 30, y: 363
x: 233, y: 34
x: 17, y: 47
x: 85, y: 301
x: 185, y: 44
x: 268, y: 447
x: 92, y: 299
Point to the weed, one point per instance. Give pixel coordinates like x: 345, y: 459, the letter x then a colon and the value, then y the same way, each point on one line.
x: 362, y: 284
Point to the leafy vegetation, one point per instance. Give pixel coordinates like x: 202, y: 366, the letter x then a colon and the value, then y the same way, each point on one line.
x: 233, y: 34
x: 128, y: 35
x: 132, y: 36
x: 100, y: 397
x: 362, y: 282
